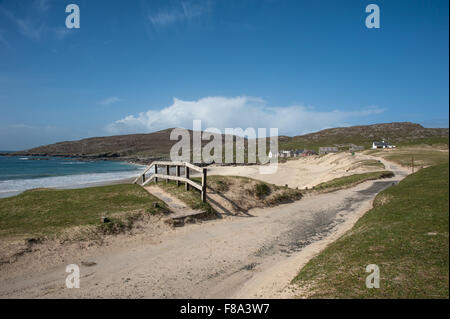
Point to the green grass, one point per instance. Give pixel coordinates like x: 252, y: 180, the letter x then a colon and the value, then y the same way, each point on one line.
x: 351, y: 180
x: 405, y: 234
x: 437, y: 141
x: 423, y: 156
x: 371, y: 164
x: 262, y: 190
x: 44, y: 212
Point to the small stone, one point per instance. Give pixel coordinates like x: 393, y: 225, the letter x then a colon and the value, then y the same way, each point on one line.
x: 178, y: 223
x: 32, y: 241
x: 88, y: 263
x: 105, y: 219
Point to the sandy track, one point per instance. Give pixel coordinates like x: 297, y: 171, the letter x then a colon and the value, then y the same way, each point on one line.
x: 253, y: 256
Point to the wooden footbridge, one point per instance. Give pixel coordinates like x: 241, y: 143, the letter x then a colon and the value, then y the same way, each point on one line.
x: 144, y: 180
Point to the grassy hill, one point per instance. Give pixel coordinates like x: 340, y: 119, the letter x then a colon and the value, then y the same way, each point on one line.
x: 405, y: 234
x: 158, y: 144
x: 134, y: 147
x: 153, y: 144
x: 398, y: 133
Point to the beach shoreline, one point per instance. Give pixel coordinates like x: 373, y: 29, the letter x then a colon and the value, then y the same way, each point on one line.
x: 85, y: 185
x: 19, y: 173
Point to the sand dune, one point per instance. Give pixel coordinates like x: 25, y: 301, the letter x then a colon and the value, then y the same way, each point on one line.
x: 304, y: 171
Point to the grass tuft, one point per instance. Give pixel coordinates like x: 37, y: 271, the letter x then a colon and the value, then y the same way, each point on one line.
x: 262, y: 190
x: 351, y: 180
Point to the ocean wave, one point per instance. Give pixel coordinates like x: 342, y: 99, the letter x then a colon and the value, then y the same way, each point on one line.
x: 67, y: 181
x: 73, y: 163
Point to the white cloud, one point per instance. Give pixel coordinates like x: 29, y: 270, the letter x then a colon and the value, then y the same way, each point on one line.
x: 182, y: 11
x: 109, y: 100
x: 31, y: 21
x: 242, y: 111
x: 29, y: 29
x: 4, y: 41
x: 42, y: 5
x: 60, y: 32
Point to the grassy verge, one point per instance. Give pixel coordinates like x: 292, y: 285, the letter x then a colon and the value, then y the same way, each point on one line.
x: 351, y: 180
x: 46, y: 212
x: 405, y: 234
x: 371, y: 164
x: 423, y: 156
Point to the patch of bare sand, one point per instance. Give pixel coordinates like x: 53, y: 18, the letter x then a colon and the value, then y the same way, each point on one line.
x: 21, y: 256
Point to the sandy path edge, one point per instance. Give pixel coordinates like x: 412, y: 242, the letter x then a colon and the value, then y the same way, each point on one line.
x: 275, y: 282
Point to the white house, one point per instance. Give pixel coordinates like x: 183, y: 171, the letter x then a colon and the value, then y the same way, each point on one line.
x: 382, y: 144
x: 286, y: 154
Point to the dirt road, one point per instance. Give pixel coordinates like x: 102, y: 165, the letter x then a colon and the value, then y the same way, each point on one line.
x: 254, y: 256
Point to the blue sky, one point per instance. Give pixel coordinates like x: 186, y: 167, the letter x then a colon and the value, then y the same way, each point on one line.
x: 141, y: 66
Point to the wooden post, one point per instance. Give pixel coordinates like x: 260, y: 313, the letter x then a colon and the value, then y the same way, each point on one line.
x: 204, y: 185
x: 178, y: 174
x: 143, y: 178
x: 186, y: 174
x: 167, y: 172
x: 156, y: 172
x: 412, y: 164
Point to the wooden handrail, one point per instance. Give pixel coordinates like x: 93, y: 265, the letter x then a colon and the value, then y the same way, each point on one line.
x: 144, y: 172
x: 177, y: 178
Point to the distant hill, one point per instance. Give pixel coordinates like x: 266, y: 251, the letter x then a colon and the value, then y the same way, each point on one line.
x: 399, y: 133
x: 158, y: 144
x: 132, y: 147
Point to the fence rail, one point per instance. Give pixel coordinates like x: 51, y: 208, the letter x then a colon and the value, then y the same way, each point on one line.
x: 178, y: 178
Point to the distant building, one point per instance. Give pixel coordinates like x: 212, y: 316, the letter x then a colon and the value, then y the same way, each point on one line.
x: 382, y: 144
x: 326, y: 150
x: 356, y: 148
x: 308, y: 153
x: 286, y: 154
x: 298, y: 153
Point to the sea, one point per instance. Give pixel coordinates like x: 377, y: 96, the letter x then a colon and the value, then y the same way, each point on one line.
x: 20, y: 173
